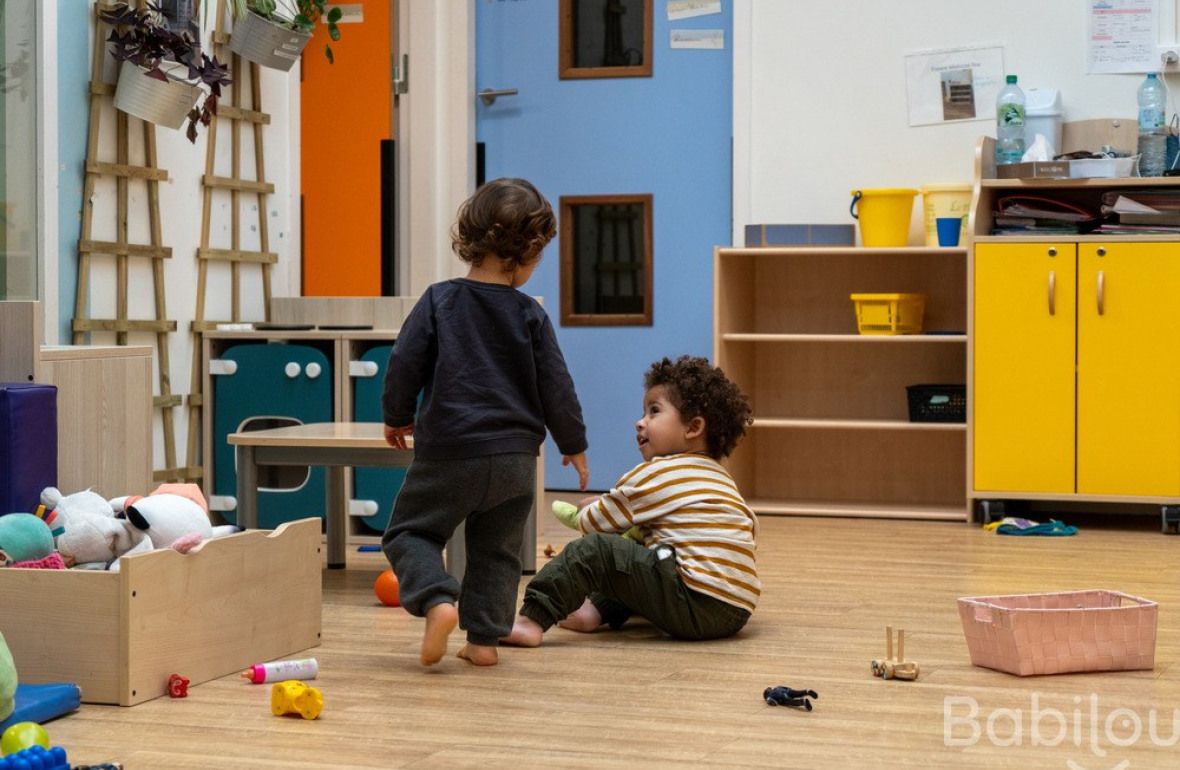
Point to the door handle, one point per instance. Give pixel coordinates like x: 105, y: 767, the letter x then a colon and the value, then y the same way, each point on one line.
x: 1101, y: 293
x: 489, y: 95
x: 1052, y: 292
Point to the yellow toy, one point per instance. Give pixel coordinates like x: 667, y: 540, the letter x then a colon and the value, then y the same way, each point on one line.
x: 295, y: 697
x: 891, y: 667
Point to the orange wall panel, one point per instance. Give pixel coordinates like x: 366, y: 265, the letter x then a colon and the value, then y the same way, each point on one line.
x: 345, y: 113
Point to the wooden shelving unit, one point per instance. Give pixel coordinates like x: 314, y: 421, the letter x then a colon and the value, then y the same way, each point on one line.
x: 831, y: 433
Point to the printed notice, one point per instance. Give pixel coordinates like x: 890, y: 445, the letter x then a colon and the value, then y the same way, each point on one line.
x: 1122, y: 36
x: 687, y: 9
x: 698, y: 38
x: 953, y: 84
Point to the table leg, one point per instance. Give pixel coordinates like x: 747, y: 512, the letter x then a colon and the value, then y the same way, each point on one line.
x: 247, y: 488
x: 337, y: 517
x: 528, y: 549
x: 456, y: 553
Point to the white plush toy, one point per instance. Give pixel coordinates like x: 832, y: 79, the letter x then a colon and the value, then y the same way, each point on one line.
x: 172, y: 516
x: 91, y: 533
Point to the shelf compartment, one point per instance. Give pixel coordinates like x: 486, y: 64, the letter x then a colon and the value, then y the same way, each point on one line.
x: 907, y: 339
x: 819, y: 381
x: 857, y: 510
x: 854, y: 468
x: 806, y: 291
x: 845, y: 424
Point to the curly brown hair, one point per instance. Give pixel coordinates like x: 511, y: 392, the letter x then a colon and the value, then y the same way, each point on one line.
x: 698, y: 389
x: 506, y: 217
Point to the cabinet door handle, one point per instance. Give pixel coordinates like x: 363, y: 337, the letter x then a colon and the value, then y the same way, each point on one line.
x: 1101, y: 293
x: 1052, y: 292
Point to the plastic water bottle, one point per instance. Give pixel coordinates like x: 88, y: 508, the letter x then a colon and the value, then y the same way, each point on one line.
x: 1153, y: 135
x: 1010, y: 123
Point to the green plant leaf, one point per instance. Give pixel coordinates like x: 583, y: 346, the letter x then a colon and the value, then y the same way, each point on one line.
x: 328, y: 53
x: 335, y: 14
x: 334, y: 33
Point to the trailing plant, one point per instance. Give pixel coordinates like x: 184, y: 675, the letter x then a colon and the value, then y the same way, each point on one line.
x: 142, y: 37
x: 300, y: 15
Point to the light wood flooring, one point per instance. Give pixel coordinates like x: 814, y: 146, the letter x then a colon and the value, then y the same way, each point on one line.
x: 635, y: 699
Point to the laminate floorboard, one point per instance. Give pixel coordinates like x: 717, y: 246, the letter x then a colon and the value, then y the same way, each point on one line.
x: 634, y: 698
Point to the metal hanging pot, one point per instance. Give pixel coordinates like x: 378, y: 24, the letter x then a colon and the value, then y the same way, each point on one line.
x: 264, y: 42
x: 156, y: 101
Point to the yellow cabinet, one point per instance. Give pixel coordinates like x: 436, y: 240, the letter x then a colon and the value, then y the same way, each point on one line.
x: 1076, y: 374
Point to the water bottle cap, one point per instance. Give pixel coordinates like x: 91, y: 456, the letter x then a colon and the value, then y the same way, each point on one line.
x: 1011, y: 79
x: 1151, y: 76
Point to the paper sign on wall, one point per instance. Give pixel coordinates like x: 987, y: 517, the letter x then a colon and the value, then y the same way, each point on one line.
x: 1122, y: 36
x: 687, y: 9
x: 698, y: 38
x: 953, y: 84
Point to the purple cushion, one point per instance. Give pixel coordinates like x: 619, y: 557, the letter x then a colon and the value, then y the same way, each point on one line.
x: 28, y: 444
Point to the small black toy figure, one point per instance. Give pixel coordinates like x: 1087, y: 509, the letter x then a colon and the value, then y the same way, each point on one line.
x: 785, y: 696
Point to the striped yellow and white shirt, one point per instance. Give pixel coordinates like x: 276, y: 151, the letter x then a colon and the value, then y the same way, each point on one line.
x: 691, y: 503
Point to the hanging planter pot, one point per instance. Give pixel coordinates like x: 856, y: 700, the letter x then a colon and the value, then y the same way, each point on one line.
x: 262, y: 41
x: 163, y: 103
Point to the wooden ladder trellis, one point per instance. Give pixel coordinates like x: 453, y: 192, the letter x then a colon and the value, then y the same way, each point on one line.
x: 235, y: 185
x: 124, y: 172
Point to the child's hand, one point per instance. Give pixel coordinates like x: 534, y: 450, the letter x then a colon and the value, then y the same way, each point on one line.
x: 579, y: 463
x: 396, y: 436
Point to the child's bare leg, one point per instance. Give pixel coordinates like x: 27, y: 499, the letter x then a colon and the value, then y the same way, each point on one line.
x: 586, y: 618
x: 441, y: 620
x: 525, y: 632
x: 479, y: 654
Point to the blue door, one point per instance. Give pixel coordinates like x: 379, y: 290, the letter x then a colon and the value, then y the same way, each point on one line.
x: 667, y: 135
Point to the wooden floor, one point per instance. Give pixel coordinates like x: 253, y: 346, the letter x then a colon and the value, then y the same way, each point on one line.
x: 635, y: 699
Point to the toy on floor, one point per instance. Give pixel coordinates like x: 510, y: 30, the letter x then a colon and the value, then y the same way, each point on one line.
x: 891, y: 667
x: 38, y: 757
x: 294, y: 697
x: 23, y: 735
x: 567, y: 514
x: 386, y: 588
x: 785, y: 696
x: 261, y: 673
x: 178, y: 686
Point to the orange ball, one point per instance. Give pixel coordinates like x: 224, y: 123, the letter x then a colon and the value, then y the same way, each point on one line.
x: 386, y: 589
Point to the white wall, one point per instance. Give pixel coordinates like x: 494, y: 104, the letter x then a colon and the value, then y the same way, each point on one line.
x: 820, y: 96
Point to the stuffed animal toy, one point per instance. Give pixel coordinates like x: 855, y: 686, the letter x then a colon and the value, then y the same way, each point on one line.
x: 7, y: 681
x: 172, y: 518
x: 91, y: 533
x: 24, y: 538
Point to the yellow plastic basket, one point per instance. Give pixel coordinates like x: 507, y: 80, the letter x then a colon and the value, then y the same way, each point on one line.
x: 889, y: 313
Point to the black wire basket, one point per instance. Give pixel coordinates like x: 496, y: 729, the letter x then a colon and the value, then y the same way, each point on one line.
x: 937, y: 403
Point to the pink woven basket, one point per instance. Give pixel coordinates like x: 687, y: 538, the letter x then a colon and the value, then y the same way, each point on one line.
x: 1058, y: 633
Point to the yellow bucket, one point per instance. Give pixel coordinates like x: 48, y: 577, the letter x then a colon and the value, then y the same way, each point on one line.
x: 945, y: 200
x: 884, y: 215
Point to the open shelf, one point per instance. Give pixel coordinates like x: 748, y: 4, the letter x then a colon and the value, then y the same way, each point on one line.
x: 858, y: 510
x: 831, y: 433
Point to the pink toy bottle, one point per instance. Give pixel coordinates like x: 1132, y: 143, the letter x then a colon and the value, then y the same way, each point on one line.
x: 261, y: 673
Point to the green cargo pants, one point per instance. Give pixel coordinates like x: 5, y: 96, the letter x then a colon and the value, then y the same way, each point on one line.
x: 622, y: 578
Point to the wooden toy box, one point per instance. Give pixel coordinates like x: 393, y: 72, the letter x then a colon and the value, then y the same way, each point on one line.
x: 229, y: 603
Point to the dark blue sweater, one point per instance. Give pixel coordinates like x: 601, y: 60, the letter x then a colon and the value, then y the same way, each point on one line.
x: 486, y: 361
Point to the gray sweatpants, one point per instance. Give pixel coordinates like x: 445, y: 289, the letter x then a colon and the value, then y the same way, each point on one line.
x: 622, y: 578
x: 493, y: 495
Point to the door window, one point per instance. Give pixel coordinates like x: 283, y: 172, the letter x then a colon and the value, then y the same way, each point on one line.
x: 606, y: 260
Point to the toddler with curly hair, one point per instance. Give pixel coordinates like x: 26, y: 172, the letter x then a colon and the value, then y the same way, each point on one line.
x: 484, y: 358
x: 693, y: 575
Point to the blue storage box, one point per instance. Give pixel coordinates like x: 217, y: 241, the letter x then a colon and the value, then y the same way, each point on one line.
x: 28, y: 444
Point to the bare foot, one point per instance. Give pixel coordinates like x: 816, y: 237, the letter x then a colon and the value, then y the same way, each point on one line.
x: 585, y: 618
x: 479, y: 655
x: 525, y: 632
x: 441, y: 620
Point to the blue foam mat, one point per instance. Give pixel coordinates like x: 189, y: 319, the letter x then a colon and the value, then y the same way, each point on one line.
x: 42, y: 702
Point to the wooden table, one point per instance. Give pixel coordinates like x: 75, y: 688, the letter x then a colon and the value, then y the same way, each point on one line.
x: 339, y: 445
